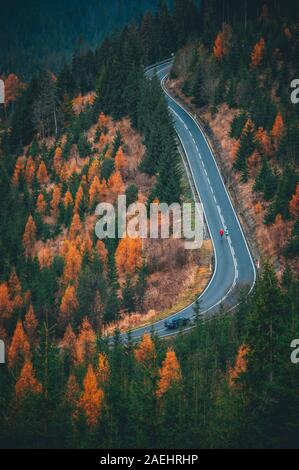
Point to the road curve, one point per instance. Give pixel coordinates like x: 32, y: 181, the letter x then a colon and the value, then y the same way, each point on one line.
x: 234, y: 267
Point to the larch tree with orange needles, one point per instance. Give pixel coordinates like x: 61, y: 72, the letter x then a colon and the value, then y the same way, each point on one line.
x: 79, y: 197
x: 69, y: 303
x: 19, y: 169
x: 91, y: 399
x: 103, y: 370
x: 93, y: 170
x: 120, y: 160
x: 146, y: 350
x: 55, y: 201
x: 76, y: 226
x: 41, y: 205
x: 294, y: 204
x: 169, y: 374
x: 27, y: 383
x: 263, y: 140
x: 29, y: 171
x: 257, y: 54
x: 95, y: 191
x: 13, y: 88
x: 240, y: 365
x: 15, y: 289
x: 73, y: 263
x: 29, y: 237
x: 128, y: 256
x: 68, y: 199
x: 57, y: 160
x: 222, y: 42
x: 116, y: 183
x: 42, y: 174
x: 19, y: 349
x: 277, y: 130
x: 6, y: 304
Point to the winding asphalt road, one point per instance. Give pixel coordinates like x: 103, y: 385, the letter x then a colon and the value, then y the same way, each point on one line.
x: 234, y: 267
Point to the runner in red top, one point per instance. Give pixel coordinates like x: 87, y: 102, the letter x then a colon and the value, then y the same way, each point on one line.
x: 221, y: 233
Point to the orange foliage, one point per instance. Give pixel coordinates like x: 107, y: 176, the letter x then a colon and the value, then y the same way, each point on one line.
x: 19, y: 349
x: 95, y: 191
x: 277, y: 129
x: 86, y: 342
x: 73, y: 262
x: 128, y: 256
x: 116, y: 183
x: 41, y: 204
x: 120, y: 160
x: 15, y: 288
x: 19, y: 168
x: 240, y: 365
x: 27, y: 382
x: 263, y: 139
x: 31, y: 324
x: 13, y: 88
x: 6, y: 305
x: 42, y: 174
x: 258, y: 53
x: 169, y: 374
x: 45, y: 257
x: 29, y: 171
x: 258, y: 208
x: 76, y: 226
x: 91, y: 399
x: 103, y: 371
x: 79, y: 197
x: 55, y: 201
x: 69, y: 302
x: 294, y: 204
x: 222, y: 42
x: 57, y: 161
x: 29, y: 237
x: 68, y: 199
x: 146, y: 351
x: 93, y: 170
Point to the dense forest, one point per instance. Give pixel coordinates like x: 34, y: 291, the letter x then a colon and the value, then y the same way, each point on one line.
x: 67, y: 136
x: 247, y: 59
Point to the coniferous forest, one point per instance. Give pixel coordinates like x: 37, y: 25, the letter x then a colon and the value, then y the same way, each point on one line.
x: 81, y: 124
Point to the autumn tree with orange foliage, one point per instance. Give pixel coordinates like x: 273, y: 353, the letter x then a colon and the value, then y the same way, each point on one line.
x: 146, y: 351
x: 42, y: 174
x: 19, y: 349
x: 120, y: 160
x: 263, y: 141
x: 69, y: 303
x: 257, y: 54
x: 27, y: 382
x: 41, y: 204
x: 169, y: 374
x: 128, y: 256
x: 57, y: 160
x: 116, y: 183
x: 76, y: 227
x: 6, y: 304
x: 55, y: 201
x: 68, y: 199
x: 73, y: 263
x: 91, y: 399
x: 29, y: 171
x: 29, y: 237
x: 222, y: 42
x: 277, y: 130
x: 15, y: 289
x: 13, y: 88
x: 95, y: 191
x: 103, y: 370
x: 240, y: 365
x: 19, y: 169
